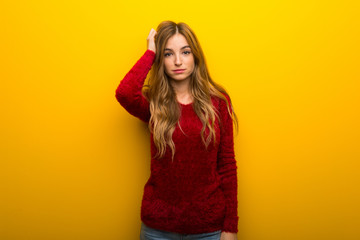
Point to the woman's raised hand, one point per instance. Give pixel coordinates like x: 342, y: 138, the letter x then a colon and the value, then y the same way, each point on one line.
x: 151, y: 40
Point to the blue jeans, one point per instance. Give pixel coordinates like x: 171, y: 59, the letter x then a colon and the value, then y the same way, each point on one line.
x: 148, y: 233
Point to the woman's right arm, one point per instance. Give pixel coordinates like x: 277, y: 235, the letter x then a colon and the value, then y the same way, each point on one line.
x: 129, y: 94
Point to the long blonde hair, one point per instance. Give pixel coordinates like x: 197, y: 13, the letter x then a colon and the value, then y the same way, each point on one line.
x: 164, y: 108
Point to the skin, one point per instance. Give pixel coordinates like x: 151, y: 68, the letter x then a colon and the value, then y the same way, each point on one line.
x: 178, y: 57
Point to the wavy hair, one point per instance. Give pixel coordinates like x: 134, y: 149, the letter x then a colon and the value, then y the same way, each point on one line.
x: 164, y: 108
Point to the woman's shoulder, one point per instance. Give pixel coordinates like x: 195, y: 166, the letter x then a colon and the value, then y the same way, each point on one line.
x: 220, y: 103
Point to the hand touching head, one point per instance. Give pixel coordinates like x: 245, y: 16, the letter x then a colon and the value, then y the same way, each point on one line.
x: 151, y: 40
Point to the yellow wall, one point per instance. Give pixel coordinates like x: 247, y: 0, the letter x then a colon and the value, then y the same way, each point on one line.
x: 74, y: 162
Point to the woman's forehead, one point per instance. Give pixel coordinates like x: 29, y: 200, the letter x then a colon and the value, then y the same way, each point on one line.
x: 176, y: 42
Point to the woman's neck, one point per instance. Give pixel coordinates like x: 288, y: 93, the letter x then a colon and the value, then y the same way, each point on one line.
x: 182, y: 91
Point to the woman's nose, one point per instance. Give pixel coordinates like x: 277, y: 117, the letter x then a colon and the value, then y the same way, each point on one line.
x: 178, y: 60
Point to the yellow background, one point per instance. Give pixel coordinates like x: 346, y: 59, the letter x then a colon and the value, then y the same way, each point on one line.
x: 74, y: 162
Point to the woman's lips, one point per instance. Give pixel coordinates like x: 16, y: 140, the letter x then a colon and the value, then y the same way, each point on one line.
x: 179, y: 71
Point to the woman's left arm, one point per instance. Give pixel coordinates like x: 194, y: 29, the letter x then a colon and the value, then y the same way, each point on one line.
x: 227, y: 170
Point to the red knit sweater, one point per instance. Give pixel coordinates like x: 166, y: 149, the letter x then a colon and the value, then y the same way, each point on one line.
x: 197, y: 192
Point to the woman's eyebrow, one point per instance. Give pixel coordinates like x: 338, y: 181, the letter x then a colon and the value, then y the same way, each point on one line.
x: 180, y: 48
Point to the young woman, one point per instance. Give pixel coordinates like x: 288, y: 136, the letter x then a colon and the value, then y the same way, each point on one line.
x: 192, y: 189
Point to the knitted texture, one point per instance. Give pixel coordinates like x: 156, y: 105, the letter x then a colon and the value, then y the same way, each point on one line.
x: 197, y: 192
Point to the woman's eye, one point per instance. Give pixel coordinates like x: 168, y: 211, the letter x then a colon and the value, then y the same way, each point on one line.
x: 168, y: 54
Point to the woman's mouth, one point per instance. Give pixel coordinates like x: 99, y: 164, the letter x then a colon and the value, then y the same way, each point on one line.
x: 179, y: 70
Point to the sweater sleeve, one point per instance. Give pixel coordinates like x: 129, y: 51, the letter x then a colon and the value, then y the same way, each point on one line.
x: 129, y: 94
x: 227, y: 169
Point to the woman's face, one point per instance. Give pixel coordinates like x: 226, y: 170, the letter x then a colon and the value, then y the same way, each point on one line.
x: 178, y: 56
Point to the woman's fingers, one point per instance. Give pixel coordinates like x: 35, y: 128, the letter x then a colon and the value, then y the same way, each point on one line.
x: 152, y: 33
x: 151, y: 40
